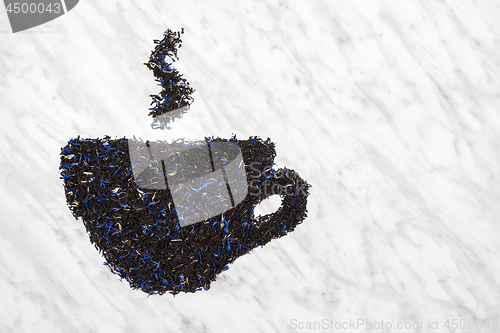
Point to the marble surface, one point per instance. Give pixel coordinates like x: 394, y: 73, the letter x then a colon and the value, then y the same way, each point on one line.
x: 390, y: 109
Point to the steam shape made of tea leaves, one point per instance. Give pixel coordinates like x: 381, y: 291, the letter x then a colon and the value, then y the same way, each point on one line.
x: 176, y: 91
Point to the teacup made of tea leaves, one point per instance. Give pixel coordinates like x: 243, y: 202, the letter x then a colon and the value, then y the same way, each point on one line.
x: 169, y: 217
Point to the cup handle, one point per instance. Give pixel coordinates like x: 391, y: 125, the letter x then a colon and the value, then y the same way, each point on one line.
x: 293, y: 191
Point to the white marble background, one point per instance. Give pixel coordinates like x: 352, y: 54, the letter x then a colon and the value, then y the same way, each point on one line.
x: 389, y: 108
